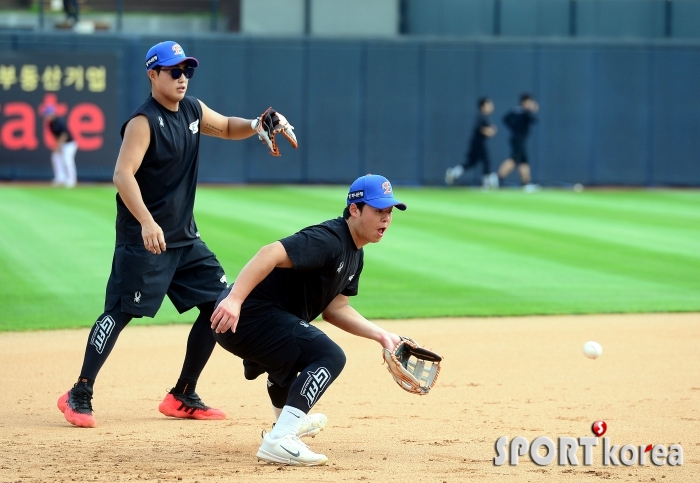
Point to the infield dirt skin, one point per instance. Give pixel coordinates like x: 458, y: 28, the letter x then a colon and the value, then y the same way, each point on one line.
x: 500, y: 377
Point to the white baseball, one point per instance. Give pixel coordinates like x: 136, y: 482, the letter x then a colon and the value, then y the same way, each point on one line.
x: 592, y: 349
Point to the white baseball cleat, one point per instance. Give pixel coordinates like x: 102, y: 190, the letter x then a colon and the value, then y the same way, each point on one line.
x: 311, y: 425
x: 288, y: 450
x: 449, y: 176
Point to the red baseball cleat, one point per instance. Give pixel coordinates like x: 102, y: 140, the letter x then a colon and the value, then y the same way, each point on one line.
x: 188, y: 406
x: 76, y: 406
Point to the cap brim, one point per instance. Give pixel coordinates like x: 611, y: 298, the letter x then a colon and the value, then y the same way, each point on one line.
x: 191, y: 61
x: 382, y: 203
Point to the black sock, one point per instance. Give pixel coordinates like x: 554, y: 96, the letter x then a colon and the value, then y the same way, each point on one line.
x: 85, y: 381
x: 184, y: 387
x: 200, y: 345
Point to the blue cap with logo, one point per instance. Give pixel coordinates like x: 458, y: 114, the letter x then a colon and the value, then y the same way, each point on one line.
x: 374, y: 190
x: 167, y: 54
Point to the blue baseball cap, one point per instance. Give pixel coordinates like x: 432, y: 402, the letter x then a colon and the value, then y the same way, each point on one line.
x: 374, y: 190
x: 167, y: 54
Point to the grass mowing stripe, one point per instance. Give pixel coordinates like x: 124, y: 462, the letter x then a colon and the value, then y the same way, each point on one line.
x: 651, y: 233
x: 454, y: 252
x: 457, y: 274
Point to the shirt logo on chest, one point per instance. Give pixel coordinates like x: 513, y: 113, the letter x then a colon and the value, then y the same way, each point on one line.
x: 160, y: 121
x: 342, y: 264
x: 194, y: 127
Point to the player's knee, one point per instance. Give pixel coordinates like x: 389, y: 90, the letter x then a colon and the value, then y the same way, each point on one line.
x: 335, y: 359
x: 206, y: 309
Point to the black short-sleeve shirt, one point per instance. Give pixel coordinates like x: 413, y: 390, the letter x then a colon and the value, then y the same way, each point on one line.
x: 519, y: 121
x: 478, y: 139
x: 326, y: 263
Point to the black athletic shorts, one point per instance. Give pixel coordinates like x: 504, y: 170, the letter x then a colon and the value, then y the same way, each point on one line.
x: 268, y: 337
x: 517, y: 151
x: 140, y: 280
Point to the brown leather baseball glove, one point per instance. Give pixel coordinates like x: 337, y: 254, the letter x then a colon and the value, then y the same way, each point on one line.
x: 271, y: 123
x: 414, y: 368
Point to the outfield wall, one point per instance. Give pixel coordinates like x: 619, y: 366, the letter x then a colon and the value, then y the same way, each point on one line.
x: 611, y: 112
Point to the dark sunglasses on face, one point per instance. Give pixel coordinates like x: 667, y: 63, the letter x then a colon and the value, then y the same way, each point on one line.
x: 177, y: 72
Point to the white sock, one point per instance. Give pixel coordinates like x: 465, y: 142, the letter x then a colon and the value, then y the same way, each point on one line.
x: 277, y: 412
x: 288, y: 422
x: 457, y: 171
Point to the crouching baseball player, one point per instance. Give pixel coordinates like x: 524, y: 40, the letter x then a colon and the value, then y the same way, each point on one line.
x: 264, y: 318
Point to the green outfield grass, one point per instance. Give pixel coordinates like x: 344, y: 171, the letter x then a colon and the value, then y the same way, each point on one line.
x: 455, y: 252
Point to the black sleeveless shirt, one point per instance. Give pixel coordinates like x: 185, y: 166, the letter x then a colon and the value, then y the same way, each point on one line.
x: 167, y: 176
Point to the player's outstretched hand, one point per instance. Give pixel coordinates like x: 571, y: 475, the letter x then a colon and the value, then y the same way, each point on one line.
x: 153, y: 237
x: 271, y: 123
x: 226, y: 316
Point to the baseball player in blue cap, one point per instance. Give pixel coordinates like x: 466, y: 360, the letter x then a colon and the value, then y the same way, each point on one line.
x: 158, y: 248
x: 265, y: 316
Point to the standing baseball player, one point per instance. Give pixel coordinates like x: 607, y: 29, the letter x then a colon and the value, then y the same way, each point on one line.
x: 518, y: 120
x: 158, y: 248
x: 477, y: 152
x: 63, y: 154
x: 264, y: 318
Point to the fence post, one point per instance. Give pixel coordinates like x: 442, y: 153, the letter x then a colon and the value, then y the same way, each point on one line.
x: 307, y: 17
x: 668, y: 17
x: 572, y: 17
x: 496, y: 17
x: 213, y: 26
x: 120, y: 14
x: 41, y: 15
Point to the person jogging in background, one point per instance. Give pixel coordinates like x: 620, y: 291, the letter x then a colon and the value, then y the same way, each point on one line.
x: 477, y: 152
x: 518, y: 120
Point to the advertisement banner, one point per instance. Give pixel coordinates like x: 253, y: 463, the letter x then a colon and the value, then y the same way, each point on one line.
x: 82, y: 88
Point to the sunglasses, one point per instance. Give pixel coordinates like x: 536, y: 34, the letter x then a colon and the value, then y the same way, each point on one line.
x: 177, y: 72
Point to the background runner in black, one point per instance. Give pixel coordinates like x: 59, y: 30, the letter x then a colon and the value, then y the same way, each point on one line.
x: 518, y: 120
x: 265, y: 317
x: 158, y: 249
x: 477, y: 151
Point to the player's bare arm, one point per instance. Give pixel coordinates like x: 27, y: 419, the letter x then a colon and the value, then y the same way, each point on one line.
x: 269, y: 257
x: 489, y: 131
x: 220, y: 126
x: 137, y: 137
x: 342, y: 315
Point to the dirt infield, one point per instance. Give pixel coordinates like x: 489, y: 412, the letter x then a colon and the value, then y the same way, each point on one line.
x: 501, y: 377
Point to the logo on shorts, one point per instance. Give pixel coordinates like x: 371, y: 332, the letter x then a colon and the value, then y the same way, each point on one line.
x: 223, y: 280
x: 351, y: 277
x: 315, y: 384
x: 303, y: 324
x: 103, y: 329
x: 160, y: 121
x: 137, y: 297
x: 194, y: 127
x: 342, y: 264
